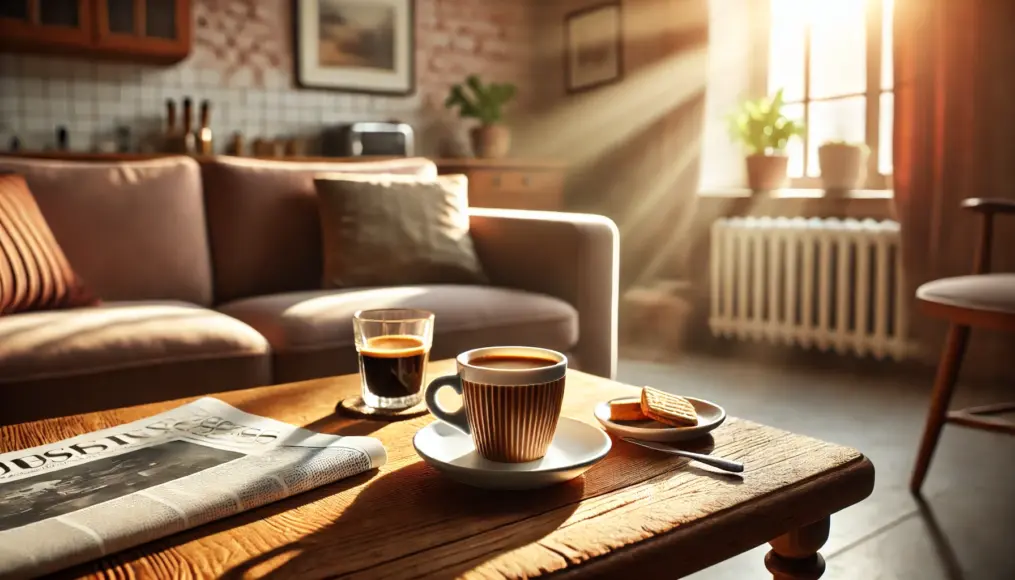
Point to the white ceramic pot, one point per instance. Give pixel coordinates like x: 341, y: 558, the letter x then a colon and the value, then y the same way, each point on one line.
x: 843, y: 166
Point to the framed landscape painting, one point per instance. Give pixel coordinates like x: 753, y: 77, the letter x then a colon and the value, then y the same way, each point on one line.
x: 356, y: 45
x: 592, y: 47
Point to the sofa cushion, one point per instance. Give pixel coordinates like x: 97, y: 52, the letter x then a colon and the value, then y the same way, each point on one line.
x: 133, y: 230
x: 388, y: 230
x: 311, y: 332
x: 39, y: 345
x: 34, y: 272
x: 263, y: 223
x: 122, y: 353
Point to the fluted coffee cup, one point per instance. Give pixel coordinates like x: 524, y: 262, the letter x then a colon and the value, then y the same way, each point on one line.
x: 511, y: 400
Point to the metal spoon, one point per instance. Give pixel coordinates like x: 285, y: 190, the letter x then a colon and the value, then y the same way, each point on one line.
x: 724, y: 464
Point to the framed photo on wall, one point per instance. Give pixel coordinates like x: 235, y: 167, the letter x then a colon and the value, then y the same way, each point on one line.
x: 356, y: 45
x: 592, y: 47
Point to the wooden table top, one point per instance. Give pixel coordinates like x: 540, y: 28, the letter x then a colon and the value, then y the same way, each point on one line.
x: 636, y: 512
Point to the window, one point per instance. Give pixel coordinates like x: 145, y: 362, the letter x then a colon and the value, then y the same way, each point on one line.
x: 833, y: 59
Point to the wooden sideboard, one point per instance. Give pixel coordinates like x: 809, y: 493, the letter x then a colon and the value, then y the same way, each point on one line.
x: 511, y: 183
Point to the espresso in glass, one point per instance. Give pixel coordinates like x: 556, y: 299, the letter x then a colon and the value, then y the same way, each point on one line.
x: 393, y: 346
x: 393, y: 365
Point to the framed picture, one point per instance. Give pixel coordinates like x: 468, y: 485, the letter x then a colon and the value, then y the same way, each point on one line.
x: 356, y: 45
x: 592, y: 47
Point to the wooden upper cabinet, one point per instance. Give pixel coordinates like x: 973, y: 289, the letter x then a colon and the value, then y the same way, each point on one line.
x: 157, y: 29
x: 141, y: 30
x: 46, y: 25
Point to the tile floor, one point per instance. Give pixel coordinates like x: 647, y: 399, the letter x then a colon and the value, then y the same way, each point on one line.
x: 966, y: 528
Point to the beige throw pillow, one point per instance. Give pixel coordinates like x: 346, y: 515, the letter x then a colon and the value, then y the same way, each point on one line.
x: 384, y: 230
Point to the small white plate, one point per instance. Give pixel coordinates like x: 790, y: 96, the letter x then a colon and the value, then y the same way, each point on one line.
x: 576, y: 446
x: 710, y: 416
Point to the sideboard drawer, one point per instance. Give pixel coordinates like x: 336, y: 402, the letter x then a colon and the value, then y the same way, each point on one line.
x: 542, y: 190
x: 525, y: 181
x: 511, y: 183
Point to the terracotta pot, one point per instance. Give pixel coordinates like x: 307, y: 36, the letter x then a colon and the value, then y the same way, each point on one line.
x: 843, y: 167
x: 490, y: 141
x: 766, y: 172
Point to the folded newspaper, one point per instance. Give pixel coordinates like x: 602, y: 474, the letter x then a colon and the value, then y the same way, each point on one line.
x: 82, y: 498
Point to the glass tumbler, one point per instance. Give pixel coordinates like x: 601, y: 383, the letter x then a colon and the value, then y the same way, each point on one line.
x: 393, y: 345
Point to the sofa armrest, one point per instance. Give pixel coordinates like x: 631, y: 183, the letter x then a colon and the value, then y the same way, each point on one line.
x: 574, y: 257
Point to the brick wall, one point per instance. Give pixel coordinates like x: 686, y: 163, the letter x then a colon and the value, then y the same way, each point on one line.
x: 242, y: 61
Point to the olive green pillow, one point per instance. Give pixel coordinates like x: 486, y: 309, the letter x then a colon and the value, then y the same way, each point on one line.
x: 386, y: 230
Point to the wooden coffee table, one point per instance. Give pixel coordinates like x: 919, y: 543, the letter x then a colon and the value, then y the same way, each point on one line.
x: 637, y: 514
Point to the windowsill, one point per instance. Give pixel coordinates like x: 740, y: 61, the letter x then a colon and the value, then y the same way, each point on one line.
x: 791, y: 193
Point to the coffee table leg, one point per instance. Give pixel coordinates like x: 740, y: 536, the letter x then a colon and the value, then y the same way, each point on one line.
x: 794, y: 556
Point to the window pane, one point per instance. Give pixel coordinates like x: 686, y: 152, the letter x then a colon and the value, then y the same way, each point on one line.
x: 58, y: 12
x: 795, y: 148
x: 888, y: 10
x: 838, y: 48
x: 15, y: 9
x: 842, y: 119
x: 786, y: 49
x: 160, y: 18
x: 887, y: 115
x: 121, y: 16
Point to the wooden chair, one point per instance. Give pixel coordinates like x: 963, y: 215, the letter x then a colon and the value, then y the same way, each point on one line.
x: 983, y: 300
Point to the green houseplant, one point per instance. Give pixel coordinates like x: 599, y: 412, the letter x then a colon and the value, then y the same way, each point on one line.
x: 484, y: 102
x: 843, y: 165
x: 764, y: 131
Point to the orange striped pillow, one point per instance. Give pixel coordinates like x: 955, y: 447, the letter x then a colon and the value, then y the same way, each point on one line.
x: 34, y: 273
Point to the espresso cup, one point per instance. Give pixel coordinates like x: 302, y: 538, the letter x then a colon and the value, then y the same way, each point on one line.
x: 511, y: 400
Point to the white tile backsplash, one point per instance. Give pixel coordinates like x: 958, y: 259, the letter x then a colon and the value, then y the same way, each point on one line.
x: 92, y: 99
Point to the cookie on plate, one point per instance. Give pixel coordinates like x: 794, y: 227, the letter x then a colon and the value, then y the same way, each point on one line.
x: 670, y: 409
x: 626, y: 411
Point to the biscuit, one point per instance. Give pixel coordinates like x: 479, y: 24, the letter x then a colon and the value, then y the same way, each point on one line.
x: 626, y: 411
x: 666, y: 408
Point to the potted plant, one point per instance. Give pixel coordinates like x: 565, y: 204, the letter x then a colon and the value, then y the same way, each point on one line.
x: 484, y: 102
x: 764, y: 130
x: 843, y: 165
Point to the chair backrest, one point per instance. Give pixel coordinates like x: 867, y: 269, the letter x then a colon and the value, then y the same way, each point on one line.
x: 132, y: 230
x: 263, y: 222
x: 987, y: 207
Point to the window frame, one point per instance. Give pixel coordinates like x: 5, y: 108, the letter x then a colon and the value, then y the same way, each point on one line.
x: 874, y: 31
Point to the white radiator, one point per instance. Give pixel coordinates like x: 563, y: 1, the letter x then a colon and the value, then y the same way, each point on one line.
x: 819, y: 283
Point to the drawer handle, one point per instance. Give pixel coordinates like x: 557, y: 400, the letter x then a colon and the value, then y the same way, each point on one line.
x: 496, y: 181
x: 526, y: 181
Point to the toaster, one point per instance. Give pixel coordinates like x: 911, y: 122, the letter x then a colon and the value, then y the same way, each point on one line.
x: 383, y: 139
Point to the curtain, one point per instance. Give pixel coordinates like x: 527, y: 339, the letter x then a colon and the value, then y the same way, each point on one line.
x: 953, y: 138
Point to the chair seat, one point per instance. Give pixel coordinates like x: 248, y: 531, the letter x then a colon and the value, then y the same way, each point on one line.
x: 988, y: 292
x: 311, y: 334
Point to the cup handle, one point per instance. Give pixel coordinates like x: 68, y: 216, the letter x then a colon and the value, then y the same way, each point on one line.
x: 456, y: 419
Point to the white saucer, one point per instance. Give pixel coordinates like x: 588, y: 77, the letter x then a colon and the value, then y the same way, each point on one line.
x: 576, y: 446
x: 710, y: 416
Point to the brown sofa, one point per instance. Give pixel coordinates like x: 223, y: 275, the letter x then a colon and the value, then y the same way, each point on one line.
x: 210, y: 279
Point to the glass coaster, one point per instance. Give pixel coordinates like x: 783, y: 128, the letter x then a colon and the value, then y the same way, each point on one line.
x: 355, y: 407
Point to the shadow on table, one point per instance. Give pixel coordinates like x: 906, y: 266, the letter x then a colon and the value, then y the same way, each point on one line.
x: 339, y: 424
x: 415, y: 509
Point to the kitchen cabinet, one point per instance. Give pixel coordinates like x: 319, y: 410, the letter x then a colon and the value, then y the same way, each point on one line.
x: 158, y: 29
x: 46, y: 25
x: 139, y: 30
